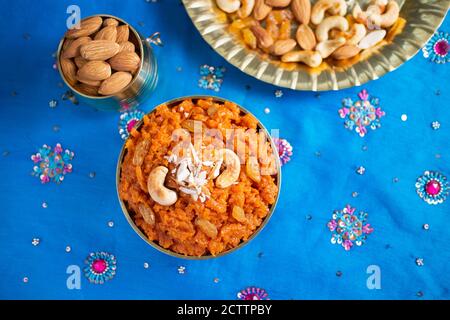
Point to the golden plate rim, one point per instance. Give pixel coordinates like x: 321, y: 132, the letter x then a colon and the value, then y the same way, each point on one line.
x: 423, y: 17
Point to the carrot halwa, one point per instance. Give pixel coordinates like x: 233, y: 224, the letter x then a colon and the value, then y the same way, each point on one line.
x: 199, y: 177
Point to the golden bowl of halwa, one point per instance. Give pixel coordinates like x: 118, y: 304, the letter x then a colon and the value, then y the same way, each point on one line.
x: 198, y: 177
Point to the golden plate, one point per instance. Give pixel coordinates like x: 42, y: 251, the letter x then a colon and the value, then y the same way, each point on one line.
x: 422, y: 17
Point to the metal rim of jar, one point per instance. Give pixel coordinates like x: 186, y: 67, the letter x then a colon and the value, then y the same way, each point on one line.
x: 206, y: 257
x: 141, y: 51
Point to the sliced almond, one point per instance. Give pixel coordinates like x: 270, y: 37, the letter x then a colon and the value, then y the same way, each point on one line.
x: 115, y: 83
x: 107, y: 33
x: 123, y: 32
x: 125, y: 61
x: 281, y: 47
x: 301, y: 10
x: 99, y: 50
x: 69, y: 70
x: 73, y: 49
x: 306, y: 37
x: 372, y: 38
x: 86, y: 28
x: 95, y: 70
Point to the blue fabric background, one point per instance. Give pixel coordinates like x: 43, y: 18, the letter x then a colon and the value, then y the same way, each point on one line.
x: 298, y: 260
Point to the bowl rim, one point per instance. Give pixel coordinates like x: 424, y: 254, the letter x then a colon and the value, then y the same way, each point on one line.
x: 382, y: 61
x: 135, y: 76
x: 207, y: 257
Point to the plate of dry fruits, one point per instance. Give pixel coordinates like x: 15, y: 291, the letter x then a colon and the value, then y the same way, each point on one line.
x: 317, y: 45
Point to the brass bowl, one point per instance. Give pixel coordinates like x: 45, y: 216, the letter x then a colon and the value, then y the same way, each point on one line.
x: 422, y: 17
x: 122, y: 154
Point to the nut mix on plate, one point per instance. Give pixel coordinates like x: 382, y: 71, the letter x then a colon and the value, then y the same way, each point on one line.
x: 199, y: 177
x: 98, y: 58
x: 301, y: 31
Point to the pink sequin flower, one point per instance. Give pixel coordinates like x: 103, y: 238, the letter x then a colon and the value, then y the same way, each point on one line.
x: 52, y: 164
x: 349, y: 228
x: 361, y: 114
x: 253, y: 293
x: 284, y: 149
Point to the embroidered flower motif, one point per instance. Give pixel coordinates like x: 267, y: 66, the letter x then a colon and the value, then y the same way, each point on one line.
x: 100, y: 267
x: 253, y: 293
x: 437, y: 49
x: 433, y: 187
x: 284, y: 150
x: 349, y: 228
x: 127, y: 121
x: 211, y: 77
x: 52, y: 164
x: 361, y: 114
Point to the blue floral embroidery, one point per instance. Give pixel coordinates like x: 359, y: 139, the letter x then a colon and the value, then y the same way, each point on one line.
x: 437, y: 48
x: 100, y: 267
x: 127, y: 121
x: 349, y: 228
x: 361, y: 114
x: 211, y: 77
x: 433, y: 187
x: 52, y: 164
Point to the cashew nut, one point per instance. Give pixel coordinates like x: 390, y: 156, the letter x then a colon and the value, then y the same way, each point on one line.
x: 335, y: 7
x: 229, y: 6
x: 232, y: 170
x: 278, y: 3
x: 246, y: 9
x: 158, y: 192
x: 327, y: 47
x: 358, y: 31
x: 311, y: 58
x: 388, y: 18
x: 334, y: 22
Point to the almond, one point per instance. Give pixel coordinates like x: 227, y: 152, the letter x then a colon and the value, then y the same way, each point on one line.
x: 73, y: 49
x: 126, y: 46
x: 107, y: 33
x: 87, y: 27
x: 301, y: 10
x: 80, y: 61
x: 261, y: 10
x: 346, y: 52
x: 278, y: 3
x: 123, y: 32
x: 110, y: 22
x: 306, y: 37
x: 264, y: 38
x: 115, y: 83
x: 99, y: 50
x: 69, y: 70
x: 67, y: 43
x: 92, y: 83
x: 125, y: 61
x: 281, y: 47
x: 95, y: 70
x: 87, y: 89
